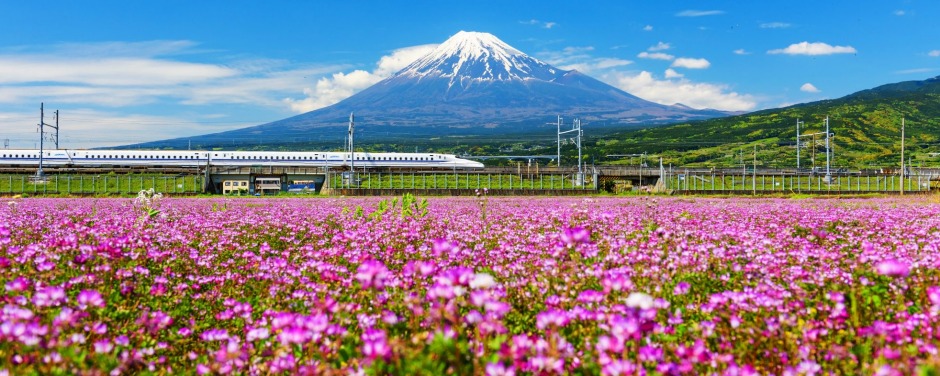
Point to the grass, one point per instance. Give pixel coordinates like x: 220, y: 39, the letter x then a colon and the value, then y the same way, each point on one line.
x: 104, y: 185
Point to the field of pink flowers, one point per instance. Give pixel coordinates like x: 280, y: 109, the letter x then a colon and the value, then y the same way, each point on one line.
x: 496, y: 286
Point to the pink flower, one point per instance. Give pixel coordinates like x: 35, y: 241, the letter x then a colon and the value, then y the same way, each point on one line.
x: 293, y: 335
x: 90, y: 298
x: 103, y: 346
x: 591, y: 296
x: 681, y: 288
x: 575, y: 235
x: 551, y: 318
x: 933, y: 294
x: 49, y: 296
x: 214, y: 335
x: 375, y: 344
x: 372, y: 274
x: 18, y: 284
x: 893, y: 268
x: 256, y: 334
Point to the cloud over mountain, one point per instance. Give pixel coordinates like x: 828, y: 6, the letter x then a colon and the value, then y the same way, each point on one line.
x: 813, y: 49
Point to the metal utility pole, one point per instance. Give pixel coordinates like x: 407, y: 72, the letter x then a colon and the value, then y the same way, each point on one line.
x: 798, y: 122
x: 56, y: 127
x: 580, y: 162
x: 754, y: 173
x: 351, y: 148
x: 558, y: 142
x: 902, y: 156
x: 39, y: 173
x: 828, y: 152
x: 576, y: 127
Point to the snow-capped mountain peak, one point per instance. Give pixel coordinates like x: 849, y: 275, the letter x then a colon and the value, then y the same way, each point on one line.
x: 480, y: 57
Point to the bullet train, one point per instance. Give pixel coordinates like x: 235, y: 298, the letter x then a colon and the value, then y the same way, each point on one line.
x: 196, y: 158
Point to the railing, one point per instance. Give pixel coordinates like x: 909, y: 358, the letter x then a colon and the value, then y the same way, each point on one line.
x: 82, y: 185
x: 461, y: 180
x: 768, y: 183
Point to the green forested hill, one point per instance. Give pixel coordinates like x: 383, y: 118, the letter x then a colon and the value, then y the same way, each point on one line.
x: 867, y: 127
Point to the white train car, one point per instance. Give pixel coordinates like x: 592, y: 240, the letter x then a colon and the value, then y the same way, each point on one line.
x: 163, y: 158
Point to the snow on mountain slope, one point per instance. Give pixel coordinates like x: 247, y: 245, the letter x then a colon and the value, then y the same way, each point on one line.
x: 478, y: 56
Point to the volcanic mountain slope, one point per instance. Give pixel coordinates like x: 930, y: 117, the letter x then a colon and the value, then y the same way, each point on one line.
x: 473, y: 83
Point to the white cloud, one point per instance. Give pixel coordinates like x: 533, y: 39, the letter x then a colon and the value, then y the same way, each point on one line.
x: 774, y: 25
x: 692, y: 94
x: 578, y: 58
x: 648, y: 28
x: 116, y: 74
x: 339, y: 86
x: 899, y: 12
x: 809, y: 88
x: 655, y: 56
x: 112, y: 74
x: 545, y: 24
x: 699, y: 13
x: 670, y: 73
x: 575, y: 49
x: 659, y: 47
x: 934, y: 53
x: 400, y: 58
x: 690, y: 63
x: 915, y: 71
x: 88, y: 128
x: 116, y: 71
x: 604, y: 63
x: 330, y: 90
x: 741, y: 51
x: 817, y: 48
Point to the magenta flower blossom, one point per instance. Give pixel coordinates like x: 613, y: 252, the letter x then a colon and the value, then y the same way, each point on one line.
x: 681, y: 288
x: 292, y: 335
x: 49, y: 296
x: 591, y: 296
x: 893, y: 268
x: 103, y: 346
x: 90, y: 298
x: 18, y: 284
x: 551, y: 318
x: 372, y: 274
x: 933, y: 294
x: 575, y: 235
x: 497, y: 369
x: 257, y: 334
x: 374, y: 344
x: 214, y: 335
x: 443, y: 246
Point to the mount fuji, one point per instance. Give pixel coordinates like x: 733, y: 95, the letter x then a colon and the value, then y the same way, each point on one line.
x: 472, y: 84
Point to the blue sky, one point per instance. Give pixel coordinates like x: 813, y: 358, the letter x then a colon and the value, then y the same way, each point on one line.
x: 130, y: 71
